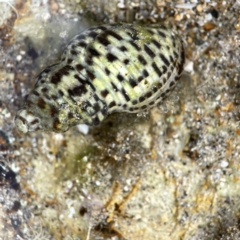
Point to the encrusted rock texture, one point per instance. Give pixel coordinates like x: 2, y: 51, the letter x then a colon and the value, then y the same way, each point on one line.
x: 171, y: 173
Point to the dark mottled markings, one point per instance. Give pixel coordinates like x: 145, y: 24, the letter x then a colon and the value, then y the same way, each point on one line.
x: 69, y: 61
x: 113, y: 34
x: 103, y: 40
x: 173, y: 41
x: 132, y: 82
x: 102, y: 28
x: 141, y: 99
x: 73, y: 47
x: 93, y: 52
x: 125, y: 95
x: 35, y: 93
x: 162, y: 95
x: 162, y: 34
x: 114, y: 86
x: 148, y: 94
x: 80, y: 80
x: 56, y: 78
x: 46, y: 71
x: 144, y: 107
x: 112, y: 104
x: 149, y: 51
x: 46, y: 96
x: 96, y: 98
x: 180, y: 67
x: 145, y: 73
x: 142, y: 60
x: 172, y: 84
x: 120, y: 77
x: 60, y: 92
x: 133, y: 34
x: 164, y: 69
x: 87, y: 107
x: 81, y: 36
x: 34, y: 121
x: 65, y: 70
x: 156, y: 43
x: 74, y: 52
x: 159, y: 84
x: 171, y: 59
x: 124, y: 106
x: 96, y: 107
x: 81, y: 44
x: 104, y: 110
x: 177, y: 78
x: 140, y: 78
x: 182, y: 60
x: 134, y: 102
x: 131, y: 109
x: 126, y: 61
x: 41, y: 103
x: 104, y: 93
x: 92, y: 34
x: 164, y: 80
x: 135, y: 45
x: 54, y: 97
x: 150, y: 31
x: 77, y: 91
x: 152, y: 103
x: 84, y: 82
x: 95, y: 121
x: 89, y: 61
x: 164, y: 59
x: 107, y: 71
x: 88, y: 83
x: 44, y: 90
x: 175, y: 54
x: 70, y: 115
x: 79, y: 67
x: 53, y: 111
x: 111, y: 57
x: 156, y: 69
x: 155, y: 89
x: 90, y: 75
x: 56, y: 124
x: 123, y: 48
x: 169, y: 75
x: 168, y: 91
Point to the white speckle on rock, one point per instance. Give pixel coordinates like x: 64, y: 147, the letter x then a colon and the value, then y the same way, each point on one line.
x: 19, y: 58
x: 98, y: 183
x: 186, y: 5
x: 189, y: 67
x: 224, y: 164
x: 83, y: 128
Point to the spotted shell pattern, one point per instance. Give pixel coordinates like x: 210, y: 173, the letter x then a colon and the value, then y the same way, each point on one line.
x: 104, y: 69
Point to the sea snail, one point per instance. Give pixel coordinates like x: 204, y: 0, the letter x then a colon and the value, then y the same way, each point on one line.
x: 104, y: 69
